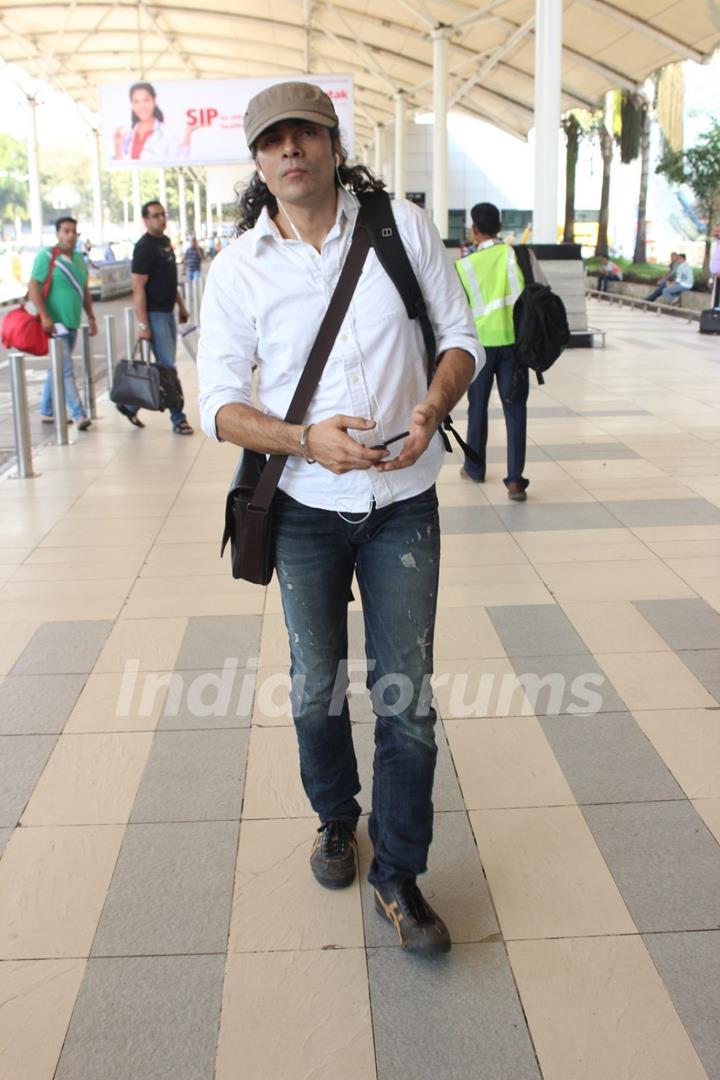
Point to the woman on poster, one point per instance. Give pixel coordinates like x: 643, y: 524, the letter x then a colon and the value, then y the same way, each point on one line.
x: 149, y: 138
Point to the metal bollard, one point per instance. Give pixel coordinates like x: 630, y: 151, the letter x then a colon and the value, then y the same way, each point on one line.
x: 21, y: 419
x: 129, y: 332
x: 88, y: 374
x: 110, y: 348
x: 58, y: 392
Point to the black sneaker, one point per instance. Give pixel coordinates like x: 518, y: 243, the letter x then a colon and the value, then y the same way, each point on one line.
x: 421, y: 931
x: 333, y: 855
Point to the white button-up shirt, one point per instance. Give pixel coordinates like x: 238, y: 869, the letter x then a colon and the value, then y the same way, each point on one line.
x: 263, y: 304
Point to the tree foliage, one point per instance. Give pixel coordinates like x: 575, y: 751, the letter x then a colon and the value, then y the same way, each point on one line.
x: 699, y: 168
x: 13, y: 180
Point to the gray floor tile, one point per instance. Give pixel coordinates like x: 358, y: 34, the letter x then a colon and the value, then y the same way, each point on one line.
x: 37, y: 704
x: 568, y: 684
x: 193, y: 776
x: 536, y: 630
x: 689, y: 965
x: 610, y: 451
x: 210, y: 640
x: 541, y: 412
x: 534, y: 517
x: 608, y: 758
x: 171, y: 891
x: 462, y: 1021
x: 454, y: 884
x: 705, y: 666
x: 63, y: 648
x: 5, y: 835
x: 145, y: 1018
x: 636, y: 513
x: 684, y: 624
x: 664, y: 860
x: 613, y: 412
x: 207, y: 699
x: 446, y: 789
x: 497, y: 455
x: 22, y: 759
x: 470, y: 519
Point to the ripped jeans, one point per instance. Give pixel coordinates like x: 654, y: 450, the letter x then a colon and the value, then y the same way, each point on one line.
x: 395, y: 554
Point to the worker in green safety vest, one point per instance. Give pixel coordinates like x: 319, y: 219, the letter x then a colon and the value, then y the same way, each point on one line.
x: 493, y: 281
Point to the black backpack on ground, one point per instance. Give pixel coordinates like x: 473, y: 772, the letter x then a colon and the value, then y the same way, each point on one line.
x: 710, y: 321
x: 540, y: 321
x: 379, y: 220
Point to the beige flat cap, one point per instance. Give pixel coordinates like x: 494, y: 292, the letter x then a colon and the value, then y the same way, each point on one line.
x: 288, y: 101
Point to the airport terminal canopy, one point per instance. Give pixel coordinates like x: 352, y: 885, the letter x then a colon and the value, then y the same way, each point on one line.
x: 387, y: 47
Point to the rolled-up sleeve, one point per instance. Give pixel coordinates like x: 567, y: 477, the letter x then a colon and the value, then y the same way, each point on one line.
x: 447, y: 304
x: 228, y: 344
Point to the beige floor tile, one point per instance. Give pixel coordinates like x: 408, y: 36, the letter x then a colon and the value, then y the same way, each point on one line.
x: 654, y: 681
x: 512, y: 574
x: 194, y: 585
x: 77, y: 572
x: 556, y: 491
x: 14, y: 636
x: 581, y: 545
x: 274, y: 647
x: 685, y: 549
x: 81, y: 533
x: 480, y: 549
x: 119, y: 702
x: 677, y: 532
x: 546, y: 874
x: 153, y: 643
x: 78, y: 609
x: 113, y: 590
x: 53, y: 883
x: 470, y: 688
x: 709, y: 811
x: 688, y: 741
x: 323, y: 1000
x: 698, y: 571
x: 50, y: 555
x: 492, y: 595
x: 272, y: 785
x: 598, y: 1010
x: 89, y: 780
x: 615, y: 626
x: 619, y: 580
x: 14, y: 556
x: 180, y: 566
x: 36, y: 1002
x: 166, y: 607
x: 612, y: 469
x: 466, y: 633
x: 636, y: 490
x: 465, y: 494
x: 506, y: 762
x: 277, y: 904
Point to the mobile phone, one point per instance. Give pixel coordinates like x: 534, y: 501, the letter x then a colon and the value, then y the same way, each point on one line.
x: 384, y: 445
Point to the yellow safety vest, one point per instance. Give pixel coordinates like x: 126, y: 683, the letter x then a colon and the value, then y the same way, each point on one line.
x: 492, y: 281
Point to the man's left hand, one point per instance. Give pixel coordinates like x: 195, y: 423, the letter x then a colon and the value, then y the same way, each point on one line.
x: 423, y: 425
x: 183, y: 313
x: 93, y: 326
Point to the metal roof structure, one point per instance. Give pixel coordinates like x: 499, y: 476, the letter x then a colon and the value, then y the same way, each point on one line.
x: 385, y: 44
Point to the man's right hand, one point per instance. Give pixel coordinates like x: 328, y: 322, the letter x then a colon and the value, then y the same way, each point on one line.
x: 330, y: 446
x: 48, y: 324
x: 145, y: 335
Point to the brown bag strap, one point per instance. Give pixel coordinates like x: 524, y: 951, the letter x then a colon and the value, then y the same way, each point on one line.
x: 312, y: 372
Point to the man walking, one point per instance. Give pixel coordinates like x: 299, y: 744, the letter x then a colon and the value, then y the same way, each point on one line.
x: 192, y: 259
x: 155, y: 294
x: 493, y: 281
x: 345, y: 505
x: 61, y: 310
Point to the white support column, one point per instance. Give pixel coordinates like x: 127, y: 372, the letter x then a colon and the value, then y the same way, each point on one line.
x: 162, y: 187
x: 378, y: 150
x: 208, y: 213
x: 96, y: 188
x: 400, y: 145
x: 548, y: 61
x: 137, y: 204
x: 126, y: 219
x: 440, y: 36
x: 197, y: 210
x: 182, y: 204
x: 219, y: 211
x: 34, y: 175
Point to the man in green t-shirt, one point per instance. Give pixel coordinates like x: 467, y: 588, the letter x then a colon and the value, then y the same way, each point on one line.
x: 61, y: 310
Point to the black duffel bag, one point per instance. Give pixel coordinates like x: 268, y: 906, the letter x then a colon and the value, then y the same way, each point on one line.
x: 146, y: 385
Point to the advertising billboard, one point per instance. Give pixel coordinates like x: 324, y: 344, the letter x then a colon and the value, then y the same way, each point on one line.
x: 195, y: 122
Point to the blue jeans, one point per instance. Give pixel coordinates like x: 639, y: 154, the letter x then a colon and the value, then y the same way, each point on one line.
x: 193, y: 275
x: 73, y: 404
x: 500, y: 365
x: 395, y: 554
x: 163, y: 344
x: 603, y: 280
x: 672, y: 291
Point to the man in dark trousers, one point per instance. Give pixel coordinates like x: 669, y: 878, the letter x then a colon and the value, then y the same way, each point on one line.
x: 493, y: 281
x: 155, y: 294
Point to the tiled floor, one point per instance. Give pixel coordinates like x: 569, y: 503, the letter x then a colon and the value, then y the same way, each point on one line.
x: 157, y: 915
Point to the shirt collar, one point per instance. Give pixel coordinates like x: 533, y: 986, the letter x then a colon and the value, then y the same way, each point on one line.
x: 266, y: 229
x: 488, y: 243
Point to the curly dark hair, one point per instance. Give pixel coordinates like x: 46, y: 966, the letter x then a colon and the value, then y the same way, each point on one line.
x: 254, y: 194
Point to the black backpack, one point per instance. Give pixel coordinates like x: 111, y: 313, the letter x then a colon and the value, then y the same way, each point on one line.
x: 387, y: 243
x: 540, y: 322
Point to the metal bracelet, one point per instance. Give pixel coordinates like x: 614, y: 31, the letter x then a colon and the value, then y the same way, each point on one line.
x: 303, y: 444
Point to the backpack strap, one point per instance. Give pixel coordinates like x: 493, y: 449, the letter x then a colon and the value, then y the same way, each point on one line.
x: 48, y: 280
x: 388, y: 246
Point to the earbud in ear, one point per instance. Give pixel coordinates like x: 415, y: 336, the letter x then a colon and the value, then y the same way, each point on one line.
x: 337, y: 161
